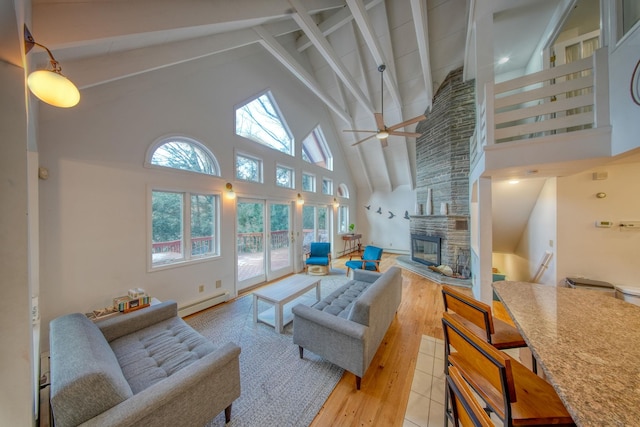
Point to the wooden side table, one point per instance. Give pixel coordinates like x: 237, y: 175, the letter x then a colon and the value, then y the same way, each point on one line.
x: 351, y: 243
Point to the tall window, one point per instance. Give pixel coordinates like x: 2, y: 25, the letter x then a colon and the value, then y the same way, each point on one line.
x: 285, y: 177
x: 315, y: 149
x: 248, y: 168
x: 260, y: 120
x: 183, y: 227
x: 343, y: 219
x: 308, y: 182
x: 183, y: 153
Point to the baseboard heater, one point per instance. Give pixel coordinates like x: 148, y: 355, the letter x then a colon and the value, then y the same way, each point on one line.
x: 202, y: 304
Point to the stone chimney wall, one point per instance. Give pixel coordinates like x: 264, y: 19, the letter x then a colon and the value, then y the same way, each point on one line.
x: 442, y: 166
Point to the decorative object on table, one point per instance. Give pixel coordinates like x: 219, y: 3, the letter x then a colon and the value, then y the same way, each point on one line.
x: 429, y: 205
x: 352, y: 227
x: 136, y: 299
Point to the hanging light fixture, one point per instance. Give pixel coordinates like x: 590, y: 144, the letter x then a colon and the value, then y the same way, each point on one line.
x: 335, y: 203
x: 300, y: 200
x: 50, y: 86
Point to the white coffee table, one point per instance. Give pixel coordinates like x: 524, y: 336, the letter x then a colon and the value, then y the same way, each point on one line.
x: 279, y: 294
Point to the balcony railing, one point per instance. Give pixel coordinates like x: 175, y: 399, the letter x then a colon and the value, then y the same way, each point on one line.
x: 559, y: 100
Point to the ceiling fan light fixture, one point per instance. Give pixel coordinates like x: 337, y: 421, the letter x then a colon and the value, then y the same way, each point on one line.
x: 383, y: 134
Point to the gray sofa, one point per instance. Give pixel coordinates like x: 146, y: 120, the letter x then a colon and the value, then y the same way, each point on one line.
x: 145, y: 368
x: 347, y: 327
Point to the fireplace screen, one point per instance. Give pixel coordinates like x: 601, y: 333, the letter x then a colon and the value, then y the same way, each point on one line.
x: 425, y: 249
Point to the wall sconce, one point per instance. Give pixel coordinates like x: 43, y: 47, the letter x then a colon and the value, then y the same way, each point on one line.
x: 50, y: 86
x: 230, y: 193
x: 300, y: 200
x: 335, y: 203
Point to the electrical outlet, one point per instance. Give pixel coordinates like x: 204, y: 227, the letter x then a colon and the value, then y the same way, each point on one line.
x: 218, y: 283
x: 201, y: 288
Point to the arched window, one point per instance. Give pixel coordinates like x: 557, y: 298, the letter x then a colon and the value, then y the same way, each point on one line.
x: 343, y: 191
x: 179, y: 152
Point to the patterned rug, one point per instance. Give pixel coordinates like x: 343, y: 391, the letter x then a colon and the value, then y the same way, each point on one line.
x: 278, y: 388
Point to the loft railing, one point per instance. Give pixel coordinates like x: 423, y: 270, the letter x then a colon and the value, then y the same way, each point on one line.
x: 562, y: 99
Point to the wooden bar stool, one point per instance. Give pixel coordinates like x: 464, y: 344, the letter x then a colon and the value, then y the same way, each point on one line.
x: 514, y: 393
x: 466, y: 409
x: 477, y: 317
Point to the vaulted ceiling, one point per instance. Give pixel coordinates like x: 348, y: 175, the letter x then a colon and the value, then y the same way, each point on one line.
x: 334, y: 47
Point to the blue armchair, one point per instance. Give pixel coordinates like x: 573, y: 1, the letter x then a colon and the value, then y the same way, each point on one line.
x: 370, y: 260
x: 319, y: 254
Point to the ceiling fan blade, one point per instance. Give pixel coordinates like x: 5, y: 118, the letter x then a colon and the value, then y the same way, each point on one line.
x: 407, y: 122
x: 384, y: 142
x: 362, y: 140
x: 379, y: 120
x: 410, y: 134
x: 355, y: 130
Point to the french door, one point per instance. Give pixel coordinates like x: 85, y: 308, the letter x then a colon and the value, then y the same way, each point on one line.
x: 263, y: 251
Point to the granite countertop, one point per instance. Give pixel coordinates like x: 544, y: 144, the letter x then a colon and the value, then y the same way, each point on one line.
x: 588, y: 345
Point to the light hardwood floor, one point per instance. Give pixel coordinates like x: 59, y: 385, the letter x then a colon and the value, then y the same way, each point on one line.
x: 382, y: 400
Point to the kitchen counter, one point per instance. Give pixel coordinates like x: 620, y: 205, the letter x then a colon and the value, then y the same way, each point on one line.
x: 587, y: 344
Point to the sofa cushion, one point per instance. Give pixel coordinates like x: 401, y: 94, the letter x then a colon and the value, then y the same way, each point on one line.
x: 340, y: 301
x: 154, y: 353
x: 89, y: 376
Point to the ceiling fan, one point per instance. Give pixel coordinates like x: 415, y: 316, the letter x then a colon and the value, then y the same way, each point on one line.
x: 383, y: 132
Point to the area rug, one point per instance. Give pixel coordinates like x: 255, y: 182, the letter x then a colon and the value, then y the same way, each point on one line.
x: 277, y: 387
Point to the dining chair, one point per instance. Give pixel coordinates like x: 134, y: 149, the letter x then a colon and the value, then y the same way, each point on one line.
x: 515, y: 394
x: 467, y: 411
x: 477, y: 317
x: 370, y: 260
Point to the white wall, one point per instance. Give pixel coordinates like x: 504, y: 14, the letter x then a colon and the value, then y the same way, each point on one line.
x: 538, y: 237
x: 608, y: 254
x: 380, y: 229
x: 94, y: 210
x: 17, y: 403
x: 624, y: 112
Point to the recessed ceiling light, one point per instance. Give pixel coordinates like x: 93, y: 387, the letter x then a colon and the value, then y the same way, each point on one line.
x: 503, y: 60
x: 513, y: 181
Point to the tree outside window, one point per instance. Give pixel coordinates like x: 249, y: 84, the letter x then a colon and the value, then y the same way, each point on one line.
x: 248, y: 168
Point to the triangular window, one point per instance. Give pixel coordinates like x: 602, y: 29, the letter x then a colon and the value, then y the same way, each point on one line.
x: 260, y: 120
x: 315, y: 149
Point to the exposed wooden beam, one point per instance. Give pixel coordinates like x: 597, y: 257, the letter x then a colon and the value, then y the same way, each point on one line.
x: 285, y: 58
x: 333, y: 23
x: 419, y: 12
x: 302, y: 18
x: 364, y: 24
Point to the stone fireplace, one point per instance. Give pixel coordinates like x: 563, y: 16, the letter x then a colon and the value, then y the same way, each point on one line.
x: 442, y: 174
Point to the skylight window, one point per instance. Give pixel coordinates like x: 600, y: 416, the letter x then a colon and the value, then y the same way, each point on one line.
x: 185, y: 154
x: 315, y: 149
x: 260, y: 120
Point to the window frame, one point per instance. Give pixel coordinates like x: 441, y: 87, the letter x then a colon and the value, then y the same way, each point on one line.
x: 258, y: 160
x: 151, y: 150
x: 342, y: 211
x: 188, y: 258
x: 313, y: 182
x: 329, y: 181
x: 292, y: 179
x: 320, y: 142
x: 343, y: 191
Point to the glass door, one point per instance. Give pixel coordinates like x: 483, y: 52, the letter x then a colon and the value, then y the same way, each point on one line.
x: 315, y: 225
x: 250, y: 242
x: 263, y: 238
x: 280, y: 251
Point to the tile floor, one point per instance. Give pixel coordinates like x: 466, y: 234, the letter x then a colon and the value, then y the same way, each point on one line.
x: 426, y: 400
